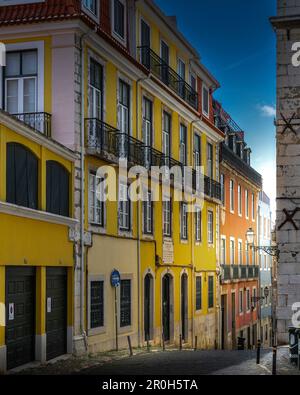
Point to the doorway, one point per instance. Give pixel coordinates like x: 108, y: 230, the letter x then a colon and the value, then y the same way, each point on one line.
x: 233, y: 323
x: 166, y: 307
x: 148, y: 307
x: 224, y: 321
x: 184, y: 307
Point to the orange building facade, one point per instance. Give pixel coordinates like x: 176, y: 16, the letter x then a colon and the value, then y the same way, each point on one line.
x: 241, y: 184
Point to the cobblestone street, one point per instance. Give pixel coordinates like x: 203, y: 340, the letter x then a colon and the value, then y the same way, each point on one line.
x: 171, y: 362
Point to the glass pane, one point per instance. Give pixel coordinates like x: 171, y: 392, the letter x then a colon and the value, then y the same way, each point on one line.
x: 29, y: 95
x: 12, y: 96
x: 29, y: 63
x: 12, y: 64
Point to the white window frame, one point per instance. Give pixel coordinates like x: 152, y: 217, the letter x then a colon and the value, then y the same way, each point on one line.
x: 184, y: 221
x: 198, y: 225
x: 248, y: 300
x: 167, y: 218
x: 231, y: 193
x: 122, y: 40
x: 93, y: 221
x: 254, y: 295
x: 92, y: 14
x: 204, y: 87
x: 223, y: 197
x: 240, y: 251
x: 241, y: 301
x: 122, y: 214
x: 148, y: 219
x: 40, y: 47
x: 247, y: 203
x: 232, y: 251
x: 240, y: 200
x: 253, y: 206
x: 223, y: 250
x: 210, y: 227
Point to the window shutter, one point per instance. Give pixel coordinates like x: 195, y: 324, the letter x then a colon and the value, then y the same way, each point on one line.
x: 22, y: 177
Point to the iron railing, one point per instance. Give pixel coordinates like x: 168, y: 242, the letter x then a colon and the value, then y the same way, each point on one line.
x: 239, y: 272
x: 107, y: 142
x: 168, y: 76
x: 39, y: 121
x: 227, y: 155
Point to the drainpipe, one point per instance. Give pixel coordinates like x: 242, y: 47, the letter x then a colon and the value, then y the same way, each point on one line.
x: 82, y: 198
x: 139, y: 220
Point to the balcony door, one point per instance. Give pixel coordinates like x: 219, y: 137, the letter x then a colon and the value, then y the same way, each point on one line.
x: 124, y: 117
x: 166, y: 137
x: 147, y: 129
x: 95, y: 97
x: 181, y: 73
x: 165, y: 56
x: 145, y: 44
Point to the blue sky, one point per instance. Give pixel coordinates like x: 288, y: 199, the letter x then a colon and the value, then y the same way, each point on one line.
x: 237, y: 44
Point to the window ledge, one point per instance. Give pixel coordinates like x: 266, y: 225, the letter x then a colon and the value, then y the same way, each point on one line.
x: 18, y: 211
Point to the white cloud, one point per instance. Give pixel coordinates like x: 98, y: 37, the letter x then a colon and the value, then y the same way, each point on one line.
x: 268, y: 111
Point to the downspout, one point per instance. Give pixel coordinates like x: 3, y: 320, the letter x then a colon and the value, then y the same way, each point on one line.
x: 82, y: 197
x: 139, y: 220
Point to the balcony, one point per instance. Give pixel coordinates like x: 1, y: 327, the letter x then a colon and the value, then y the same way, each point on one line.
x: 227, y: 155
x: 239, y: 272
x: 39, y: 121
x: 109, y: 144
x: 168, y: 76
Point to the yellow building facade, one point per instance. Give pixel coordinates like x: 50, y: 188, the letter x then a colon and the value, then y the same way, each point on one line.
x: 36, y: 257
x: 136, y: 91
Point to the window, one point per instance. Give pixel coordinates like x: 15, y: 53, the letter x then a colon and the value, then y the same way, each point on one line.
x: 167, y: 218
x: 254, y: 298
x: 147, y: 128
x: 119, y: 18
x: 124, y: 107
x: 148, y: 214
x: 193, y: 82
x: 222, y: 180
x: 253, y: 207
x: 231, y: 195
x: 184, y: 221
x: 20, y: 81
x: 240, y: 252
x: 240, y: 200
x: 223, y: 251
x: 247, y: 253
x: 21, y: 176
x: 145, y: 43
x: 198, y: 216
x: 198, y: 293
x: 92, y: 6
x: 96, y: 200
x: 247, y: 203
x: 96, y: 90
x: 165, y: 56
x: 210, y: 224
x: 166, y: 135
x: 197, y: 151
x: 97, y: 304
x: 124, y: 208
x: 210, y: 164
x: 241, y: 294
x: 125, y: 303
x: 232, y: 252
x: 183, y: 145
x: 205, y: 101
x: 211, y: 292
x: 248, y: 300
x: 57, y: 189
x: 181, y: 73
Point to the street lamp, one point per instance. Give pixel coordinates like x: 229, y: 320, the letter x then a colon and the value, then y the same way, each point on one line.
x: 270, y: 250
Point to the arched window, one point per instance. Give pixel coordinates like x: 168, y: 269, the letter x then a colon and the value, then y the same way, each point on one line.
x: 21, y: 176
x: 57, y: 189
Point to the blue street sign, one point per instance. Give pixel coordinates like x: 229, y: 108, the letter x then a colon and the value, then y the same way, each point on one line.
x: 115, y: 279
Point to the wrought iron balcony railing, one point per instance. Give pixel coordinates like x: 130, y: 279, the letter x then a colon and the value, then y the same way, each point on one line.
x: 239, y: 272
x: 108, y: 143
x: 240, y: 165
x: 168, y: 76
x: 39, y: 121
